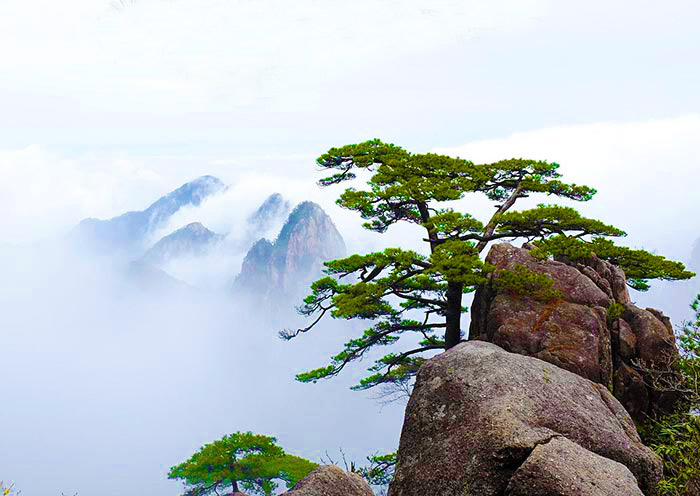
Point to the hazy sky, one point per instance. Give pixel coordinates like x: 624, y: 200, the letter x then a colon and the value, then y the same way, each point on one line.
x: 107, y: 105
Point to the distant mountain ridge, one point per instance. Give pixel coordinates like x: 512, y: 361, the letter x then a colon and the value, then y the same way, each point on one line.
x: 270, y: 271
x: 192, y: 240
x: 273, y: 208
x: 127, y: 232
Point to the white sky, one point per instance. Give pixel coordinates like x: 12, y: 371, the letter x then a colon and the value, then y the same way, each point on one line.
x: 106, y: 107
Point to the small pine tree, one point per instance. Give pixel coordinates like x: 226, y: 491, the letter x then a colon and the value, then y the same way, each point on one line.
x: 252, y: 460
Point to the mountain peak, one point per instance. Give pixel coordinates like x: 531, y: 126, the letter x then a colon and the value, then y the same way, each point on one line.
x: 191, y: 240
x: 306, y: 240
x: 195, y: 228
x: 273, y: 209
x: 129, y: 231
x: 307, y: 213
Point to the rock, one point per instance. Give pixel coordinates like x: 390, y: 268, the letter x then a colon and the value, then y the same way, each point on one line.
x: 571, y: 336
x: 563, y: 468
x: 574, y: 331
x: 574, y: 286
x: 626, y: 339
x: 330, y: 480
x: 477, y: 413
x: 655, y: 341
x: 630, y: 386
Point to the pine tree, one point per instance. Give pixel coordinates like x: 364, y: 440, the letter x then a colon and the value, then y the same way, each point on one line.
x: 252, y: 460
x: 391, y: 286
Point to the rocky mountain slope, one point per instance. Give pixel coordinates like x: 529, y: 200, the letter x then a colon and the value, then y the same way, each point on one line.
x: 287, y: 266
x: 192, y: 240
x: 127, y: 232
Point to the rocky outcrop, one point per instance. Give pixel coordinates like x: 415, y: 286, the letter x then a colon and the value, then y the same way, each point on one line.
x: 593, y: 329
x: 287, y: 267
x: 563, y: 468
x: 330, y: 480
x: 482, y: 421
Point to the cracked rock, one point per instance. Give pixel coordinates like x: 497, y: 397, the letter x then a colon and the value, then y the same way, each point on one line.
x: 497, y: 408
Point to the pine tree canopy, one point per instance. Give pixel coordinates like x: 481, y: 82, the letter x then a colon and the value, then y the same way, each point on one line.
x: 403, y: 292
x: 253, y: 460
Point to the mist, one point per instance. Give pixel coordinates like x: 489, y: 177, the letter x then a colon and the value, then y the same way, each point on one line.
x: 107, y: 384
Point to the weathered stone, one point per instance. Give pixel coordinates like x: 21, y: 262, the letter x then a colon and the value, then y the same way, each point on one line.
x: 630, y: 389
x: 619, y: 286
x: 627, y: 341
x: 330, y: 480
x: 655, y: 342
x: 599, y: 280
x: 574, y: 331
x: 663, y: 318
x: 571, y: 336
x: 563, y: 468
x: 477, y: 412
x: 613, y: 276
x: 573, y: 285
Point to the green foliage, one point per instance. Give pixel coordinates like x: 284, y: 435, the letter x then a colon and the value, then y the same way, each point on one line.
x: 391, y: 288
x: 251, y: 459
x: 676, y: 437
x: 525, y: 282
x: 640, y: 266
x: 546, y: 220
x: 380, y: 470
x: 615, y: 311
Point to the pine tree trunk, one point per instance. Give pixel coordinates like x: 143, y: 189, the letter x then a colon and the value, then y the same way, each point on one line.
x: 234, y: 486
x: 453, y: 315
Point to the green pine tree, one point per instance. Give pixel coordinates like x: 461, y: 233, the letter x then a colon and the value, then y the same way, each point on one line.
x: 252, y: 460
x: 391, y: 286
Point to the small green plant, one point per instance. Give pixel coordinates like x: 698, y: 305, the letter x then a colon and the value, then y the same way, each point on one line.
x: 252, y: 460
x: 615, y: 311
x: 676, y: 437
x: 523, y: 281
x: 380, y: 470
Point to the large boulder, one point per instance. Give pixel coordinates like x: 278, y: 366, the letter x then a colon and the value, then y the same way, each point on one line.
x: 563, y: 468
x: 330, y: 480
x: 593, y: 329
x: 478, y: 412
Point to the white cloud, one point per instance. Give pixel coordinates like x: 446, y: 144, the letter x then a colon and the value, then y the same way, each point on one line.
x: 646, y: 174
x: 212, y: 54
